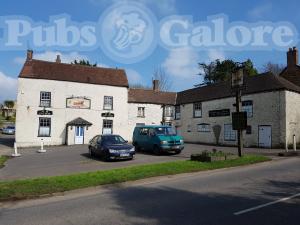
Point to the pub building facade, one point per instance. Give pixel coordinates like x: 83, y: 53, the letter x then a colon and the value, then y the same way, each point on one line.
x: 60, y: 103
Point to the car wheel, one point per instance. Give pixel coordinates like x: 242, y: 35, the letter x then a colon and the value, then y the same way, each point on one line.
x: 156, y: 150
x: 177, y: 152
x: 92, y: 154
x: 106, y: 156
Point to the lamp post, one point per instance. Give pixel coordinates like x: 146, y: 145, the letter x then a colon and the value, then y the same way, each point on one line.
x: 237, y: 83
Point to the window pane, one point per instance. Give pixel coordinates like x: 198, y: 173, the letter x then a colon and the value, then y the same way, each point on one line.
x: 44, y: 127
x: 229, y: 134
x: 108, y: 102
x: 198, y: 109
x: 45, y: 99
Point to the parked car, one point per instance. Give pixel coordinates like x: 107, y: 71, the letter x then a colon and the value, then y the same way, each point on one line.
x: 9, y: 130
x: 110, y: 147
x: 157, y: 139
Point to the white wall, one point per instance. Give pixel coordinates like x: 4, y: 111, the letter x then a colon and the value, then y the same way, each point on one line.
x: 27, y: 121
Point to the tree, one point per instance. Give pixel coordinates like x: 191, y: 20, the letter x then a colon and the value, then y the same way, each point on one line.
x: 218, y: 71
x: 83, y: 62
x: 165, y: 82
x: 9, y: 104
x: 274, y: 68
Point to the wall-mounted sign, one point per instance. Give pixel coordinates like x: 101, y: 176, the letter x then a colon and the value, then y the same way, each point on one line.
x: 78, y: 103
x: 218, y: 113
x: 45, y: 112
x: 107, y: 114
x: 239, y: 121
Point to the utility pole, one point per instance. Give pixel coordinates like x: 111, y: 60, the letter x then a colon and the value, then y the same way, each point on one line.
x: 238, y: 101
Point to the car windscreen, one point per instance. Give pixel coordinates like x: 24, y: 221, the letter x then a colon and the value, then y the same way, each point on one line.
x: 112, y: 140
x: 165, y: 131
x: 10, y: 127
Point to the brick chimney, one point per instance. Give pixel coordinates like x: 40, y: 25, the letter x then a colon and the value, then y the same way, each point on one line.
x: 292, y: 57
x: 155, y: 85
x: 29, y: 55
x: 58, y: 60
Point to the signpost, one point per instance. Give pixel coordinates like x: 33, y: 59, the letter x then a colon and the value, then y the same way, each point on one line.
x: 239, y: 119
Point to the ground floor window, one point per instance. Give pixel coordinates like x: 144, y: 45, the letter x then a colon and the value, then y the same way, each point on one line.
x: 107, y: 127
x: 44, y: 127
x: 229, y: 134
x: 203, y: 127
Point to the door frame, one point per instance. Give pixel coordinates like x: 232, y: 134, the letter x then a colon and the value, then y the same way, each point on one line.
x: 258, y: 135
x: 82, y: 135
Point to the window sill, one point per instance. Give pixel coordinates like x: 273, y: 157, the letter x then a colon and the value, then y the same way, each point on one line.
x: 43, y: 136
x: 140, y: 116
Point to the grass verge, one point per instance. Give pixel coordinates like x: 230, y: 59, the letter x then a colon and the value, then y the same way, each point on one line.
x: 31, y: 188
x: 3, y: 159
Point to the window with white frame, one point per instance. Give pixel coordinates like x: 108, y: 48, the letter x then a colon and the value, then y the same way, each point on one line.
x: 198, y: 109
x: 177, y: 112
x: 189, y: 128
x: 44, y: 127
x: 108, y: 103
x: 229, y: 134
x: 45, y: 99
x: 141, y: 112
x: 203, y: 127
x: 247, y: 106
x: 168, y: 111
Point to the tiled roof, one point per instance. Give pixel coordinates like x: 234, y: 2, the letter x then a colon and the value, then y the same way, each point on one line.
x: 38, y: 69
x: 292, y: 74
x: 151, y: 96
x: 261, y: 83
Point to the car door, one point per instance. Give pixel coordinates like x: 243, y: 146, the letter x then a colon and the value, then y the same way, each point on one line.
x: 98, y: 146
x: 143, y: 136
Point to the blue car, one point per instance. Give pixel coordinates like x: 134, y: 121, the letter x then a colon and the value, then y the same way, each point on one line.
x: 111, y: 147
x: 9, y: 130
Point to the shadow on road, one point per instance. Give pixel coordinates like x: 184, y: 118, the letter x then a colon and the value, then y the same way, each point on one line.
x: 165, y: 206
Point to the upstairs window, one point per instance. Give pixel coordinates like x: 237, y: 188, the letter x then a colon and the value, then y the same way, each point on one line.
x: 198, y: 109
x: 45, y: 99
x: 168, y: 111
x: 141, y: 112
x: 247, y: 106
x: 177, y: 112
x: 108, y: 103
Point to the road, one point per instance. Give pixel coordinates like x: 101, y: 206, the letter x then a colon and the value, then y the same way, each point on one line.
x: 205, y: 198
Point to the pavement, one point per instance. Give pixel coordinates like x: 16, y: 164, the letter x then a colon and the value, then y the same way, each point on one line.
x: 6, y: 144
x: 63, y: 160
x: 261, y: 194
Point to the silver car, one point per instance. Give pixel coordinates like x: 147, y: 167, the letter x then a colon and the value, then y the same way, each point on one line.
x: 9, y: 130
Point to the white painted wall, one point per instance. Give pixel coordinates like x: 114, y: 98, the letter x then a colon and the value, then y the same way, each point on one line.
x: 27, y: 120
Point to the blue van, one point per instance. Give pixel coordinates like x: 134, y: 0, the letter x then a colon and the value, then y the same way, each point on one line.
x: 157, y: 138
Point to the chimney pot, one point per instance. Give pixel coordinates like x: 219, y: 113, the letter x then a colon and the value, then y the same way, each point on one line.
x: 292, y: 57
x: 29, y: 55
x: 155, y: 85
x: 58, y: 60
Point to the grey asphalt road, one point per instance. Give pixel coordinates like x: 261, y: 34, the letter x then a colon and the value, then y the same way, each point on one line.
x: 62, y: 160
x: 205, y: 198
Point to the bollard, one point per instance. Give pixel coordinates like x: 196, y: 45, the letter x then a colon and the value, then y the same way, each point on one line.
x: 15, y: 154
x: 42, y: 150
x: 294, y: 143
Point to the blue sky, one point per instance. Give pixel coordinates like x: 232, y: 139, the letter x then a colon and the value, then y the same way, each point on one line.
x: 180, y: 66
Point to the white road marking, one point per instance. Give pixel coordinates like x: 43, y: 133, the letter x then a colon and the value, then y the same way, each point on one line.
x: 264, y: 205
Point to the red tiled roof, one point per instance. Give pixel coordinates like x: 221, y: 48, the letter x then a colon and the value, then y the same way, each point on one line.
x: 38, y: 69
x: 151, y: 96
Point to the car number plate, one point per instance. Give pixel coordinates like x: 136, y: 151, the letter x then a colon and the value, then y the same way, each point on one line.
x: 175, y: 147
x: 124, y: 154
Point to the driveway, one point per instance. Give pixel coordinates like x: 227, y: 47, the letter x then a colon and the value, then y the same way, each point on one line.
x: 62, y: 160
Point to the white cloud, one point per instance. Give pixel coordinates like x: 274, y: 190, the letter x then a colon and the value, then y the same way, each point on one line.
x: 133, y: 76
x: 214, y: 54
x: 8, y: 87
x: 51, y: 56
x: 182, y: 62
x: 162, y: 6
x: 260, y: 11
